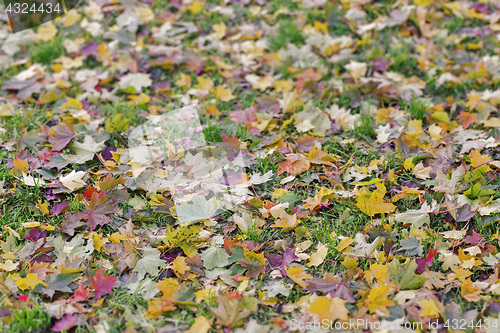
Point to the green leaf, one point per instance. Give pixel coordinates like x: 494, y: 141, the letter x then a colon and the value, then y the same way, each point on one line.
x: 214, y: 257
x: 149, y: 263
x: 403, y: 276
x: 196, y: 210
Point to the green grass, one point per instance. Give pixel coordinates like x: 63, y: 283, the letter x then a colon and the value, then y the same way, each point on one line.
x: 287, y: 33
x: 32, y: 318
x: 46, y: 52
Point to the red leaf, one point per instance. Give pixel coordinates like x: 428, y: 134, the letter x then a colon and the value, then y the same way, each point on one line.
x: 97, y: 210
x: 80, y: 294
x: 61, y: 135
x: 102, y: 284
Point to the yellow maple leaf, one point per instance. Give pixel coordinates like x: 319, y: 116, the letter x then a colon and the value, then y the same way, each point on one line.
x: 220, y: 30
x: 180, y: 265
x: 99, y: 241
x: 46, y: 32
x: 44, y: 207
x: 329, y: 308
x: 373, y: 203
x: 476, y: 159
x: 469, y: 292
x: 204, y: 84
x: 423, y: 3
x: 184, y: 81
x: 168, y: 287
x: 200, y: 325
x: 140, y: 99
x: 319, y: 256
x: 298, y: 275
x: 377, y: 299
x: 70, y: 18
x: 8, y: 266
x: 429, y: 308
x: 224, y: 94
x: 71, y: 104
x: 29, y: 282
x: 196, y: 7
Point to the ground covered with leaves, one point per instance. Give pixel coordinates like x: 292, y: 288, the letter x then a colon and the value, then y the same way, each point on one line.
x: 369, y: 131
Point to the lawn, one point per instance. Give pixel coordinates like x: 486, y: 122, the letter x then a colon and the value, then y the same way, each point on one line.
x: 252, y: 166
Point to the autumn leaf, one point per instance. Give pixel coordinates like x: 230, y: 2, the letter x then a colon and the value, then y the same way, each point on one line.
x: 403, y: 277
x: 255, y: 262
x: 329, y: 308
x: 373, y: 203
x: 298, y: 275
x: 230, y: 312
x: 102, y: 284
x: 60, y: 135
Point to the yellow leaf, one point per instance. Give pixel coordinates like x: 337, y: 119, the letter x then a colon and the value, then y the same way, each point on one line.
x: 224, y: 94
x: 423, y: 3
x: 329, y: 308
x: 219, y: 30
x: 99, y: 241
x: 200, y: 325
x: 70, y: 18
x: 180, y: 265
x: 320, y: 26
x: 117, y: 238
x: 476, y: 159
x: 46, y: 32
x: 298, y: 275
x: 319, y: 256
x: 168, y: 287
x: 429, y: 308
x: 184, y: 81
x: 29, y: 282
x: 421, y: 172
x: 71, y: 104
x: 140, y: 99
x: 20, y: 166
x: 469, y: 292
x: 409, y: 164
x: 373, y: 203
x: 196, y: 7
x: 44, y: 207
x: 204, y: 84
x: 344, y: 244
x: 377, y: 299
x: 145, y: 13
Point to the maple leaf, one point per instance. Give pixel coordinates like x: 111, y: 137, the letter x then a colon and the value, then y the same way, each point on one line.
x: 98, y: 208
x: 298, y: 275
x: 29, y: 282
x: 294, y: 164
x: 230, y: 312
x: 373, y: 203
x: 58, y: 282
x: 61, y: 135
x: 214, y: 257
x: 255, y: 262
x: 330, y: 286
x: 80, y: 294
x: 68, y: 321
x: 102, y: 284
x: 377, y: 299
x: 150, y: 262
x: 403, y: 276
x: 329, y: 308
x: 319, y: 256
